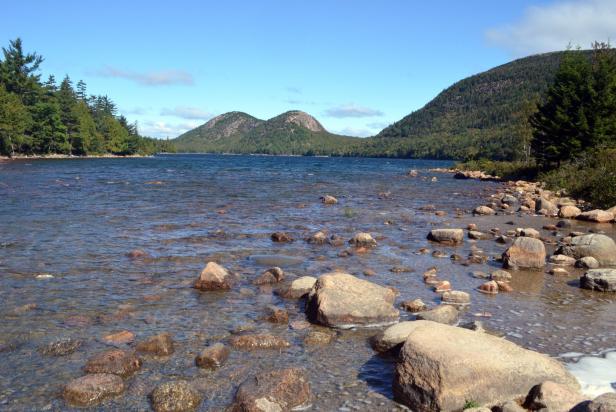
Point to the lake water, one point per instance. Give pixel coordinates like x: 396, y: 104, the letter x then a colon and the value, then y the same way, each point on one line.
x: 76, y: 220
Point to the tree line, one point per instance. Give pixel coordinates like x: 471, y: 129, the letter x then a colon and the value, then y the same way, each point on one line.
x: 43, y: 117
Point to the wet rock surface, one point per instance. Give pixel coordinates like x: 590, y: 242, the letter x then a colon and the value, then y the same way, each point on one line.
x: 525, y: 253
x: 159, y: 345
x: 115, y: 361
x: 214, y: 277
x: 213, y: 357
x: 342, y: 300
x: 278, y: 390
x: 467, y: 365
x: 90, y: 390
x: 602, y: 280
x: 176, y: 396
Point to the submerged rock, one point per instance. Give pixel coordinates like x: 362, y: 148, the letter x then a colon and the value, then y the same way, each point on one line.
x: 447, y: 236
x: 318, y: 238
x: 276, y: 314
x: 281, y: 237
x: 525, y: 253
x: 115, y: 361
x: 119, y: 338
x: 259, y: 341
x: 90, y: 390
x: 603, y: 280
x: 316, y: 337
x: 213, y: 357
x: 342, y: 300
x: 467, y: 365
x: 61, y: 347
x: 159, y: 345
x: 214, y: 277
x: 176, y: 396
x: 273, y: 391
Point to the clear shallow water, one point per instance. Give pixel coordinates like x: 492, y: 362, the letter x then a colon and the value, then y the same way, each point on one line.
x: 77, y: 219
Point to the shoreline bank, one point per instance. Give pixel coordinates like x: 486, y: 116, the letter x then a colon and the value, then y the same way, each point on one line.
x: 63, y: 156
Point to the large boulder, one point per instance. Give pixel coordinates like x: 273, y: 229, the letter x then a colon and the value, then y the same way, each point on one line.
x: 597, y: 215
x: 603, y: 280
x: 601, y: 247
x: 525, y: 253
x: 441, y: 367
x: 273, y: 391
x: 447, y: 236
x: 90, y: 390
x: 343, y: 301
x: 602, y: 403
x: 214, y: 277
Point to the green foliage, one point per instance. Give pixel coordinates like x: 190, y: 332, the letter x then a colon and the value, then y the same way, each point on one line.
x: 505, y: 170
x: 42, y: 118
x: 591, y: 177
x: 469, y: 404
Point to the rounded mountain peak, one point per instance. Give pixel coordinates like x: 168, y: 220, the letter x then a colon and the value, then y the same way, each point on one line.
x: 302, y: 119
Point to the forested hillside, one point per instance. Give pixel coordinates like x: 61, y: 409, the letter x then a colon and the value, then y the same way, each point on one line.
x: 482, y: 116
x: 291, y: 133
x: 43, y: 117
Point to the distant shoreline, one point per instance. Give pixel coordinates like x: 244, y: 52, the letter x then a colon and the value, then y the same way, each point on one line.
x: 64, y: 156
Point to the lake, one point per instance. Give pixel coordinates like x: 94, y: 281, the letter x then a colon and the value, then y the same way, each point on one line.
x: 67, y: 227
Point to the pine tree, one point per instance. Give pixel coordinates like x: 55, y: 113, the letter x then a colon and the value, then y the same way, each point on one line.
x: 18, y: 71
x: 14, y: 120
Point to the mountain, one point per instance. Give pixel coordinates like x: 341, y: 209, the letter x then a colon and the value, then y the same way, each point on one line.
x: 484, y: 115
x: 292, y: 133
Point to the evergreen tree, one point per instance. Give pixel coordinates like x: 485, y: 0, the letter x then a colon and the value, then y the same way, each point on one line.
x: 14, y: 120
x: 81, y: 92
x: 18, y: 72
x: 561, y: 128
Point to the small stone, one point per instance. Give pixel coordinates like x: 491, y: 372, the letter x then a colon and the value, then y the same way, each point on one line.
x: 114, y: 361
x: 363, y: 240
x: 442, y: 286
x: 587, y: 262
x: 61, y: 347
x: 259, y: 341
x: 562, y: 260
x: 119, y: 338
x: 213, y: 357
x: 559, y: 272
x: 175, y: 396
x: 329, y: 200
x: 602, y: 403
x: 214, y: 277
x: 447, y: 314
x: 504, y: 286
x: 552, y: 396
x: 369, y: 272
x: 456, y: 297
x: 318, y: 238
x: 276, y: 314
x: 315, y: 337
x: 272, y: 275
x: 414, y: 306
x: 299, y: 288
x: 159, y: 345
x: 502, y: 275
x: 483, y: 210
x: 447, y: 236
x: 281, y: 237
x: 90, y: 390
x: 490, y: 287
x: 137, y: 254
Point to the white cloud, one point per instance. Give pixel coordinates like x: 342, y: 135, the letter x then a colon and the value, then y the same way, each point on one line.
x: 153, y: 78
x: 162, y: 130
x: 352, y: 110
x: 186, y: 112
x: 355, y: 131
x: 552, y: 27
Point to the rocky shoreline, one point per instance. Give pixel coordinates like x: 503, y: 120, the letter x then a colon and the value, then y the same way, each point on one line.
x: 440, y: 364
x: 65, y: 156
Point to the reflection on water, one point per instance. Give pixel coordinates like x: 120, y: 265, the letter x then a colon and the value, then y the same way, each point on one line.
x: 77, y: 219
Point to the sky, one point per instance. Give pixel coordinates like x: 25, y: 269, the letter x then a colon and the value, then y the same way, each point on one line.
x: 356, y: 65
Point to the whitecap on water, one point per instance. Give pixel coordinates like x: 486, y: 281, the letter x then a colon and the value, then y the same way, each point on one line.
x: 596, y: 374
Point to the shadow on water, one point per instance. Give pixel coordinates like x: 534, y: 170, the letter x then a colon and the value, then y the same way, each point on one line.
x: 378, y: 373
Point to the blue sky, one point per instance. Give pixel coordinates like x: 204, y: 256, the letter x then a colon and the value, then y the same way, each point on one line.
x: 355, y: 65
